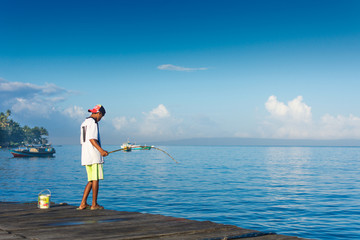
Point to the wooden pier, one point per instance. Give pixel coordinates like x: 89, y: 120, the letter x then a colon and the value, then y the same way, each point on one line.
x: 62, y: 221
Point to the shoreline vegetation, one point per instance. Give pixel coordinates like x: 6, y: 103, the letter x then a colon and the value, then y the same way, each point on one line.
x: 13, y: 135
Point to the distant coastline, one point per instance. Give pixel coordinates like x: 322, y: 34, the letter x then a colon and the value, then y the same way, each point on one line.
x: 260, y: 142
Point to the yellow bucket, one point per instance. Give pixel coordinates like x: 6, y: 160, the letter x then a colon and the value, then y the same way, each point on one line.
x: 44, y: 199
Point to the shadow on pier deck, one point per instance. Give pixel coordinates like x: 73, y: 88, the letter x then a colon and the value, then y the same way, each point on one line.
x: 26, y: 221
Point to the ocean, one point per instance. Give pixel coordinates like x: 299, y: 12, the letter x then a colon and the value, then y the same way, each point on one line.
x: 310, y: 192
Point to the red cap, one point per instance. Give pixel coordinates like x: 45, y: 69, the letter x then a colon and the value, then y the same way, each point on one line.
x: 97, y: 108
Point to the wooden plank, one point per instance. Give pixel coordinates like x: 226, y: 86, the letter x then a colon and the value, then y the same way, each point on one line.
x: 61, y: 221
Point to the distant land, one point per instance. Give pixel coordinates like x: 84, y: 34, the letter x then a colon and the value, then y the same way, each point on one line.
x: 260, y: 142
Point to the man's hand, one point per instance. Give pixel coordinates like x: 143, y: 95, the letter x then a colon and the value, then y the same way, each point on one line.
x: 96, y: 144
x: 104, y: 153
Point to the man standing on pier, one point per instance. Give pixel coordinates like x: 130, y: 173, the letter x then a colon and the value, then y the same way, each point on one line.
x: 92, y: 156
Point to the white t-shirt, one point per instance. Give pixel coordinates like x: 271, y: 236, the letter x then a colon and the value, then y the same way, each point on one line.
x: 89, y: 154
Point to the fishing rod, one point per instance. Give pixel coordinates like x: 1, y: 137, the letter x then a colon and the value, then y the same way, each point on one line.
x: 127, y: 148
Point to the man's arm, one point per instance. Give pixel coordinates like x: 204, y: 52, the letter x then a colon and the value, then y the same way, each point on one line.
x: 95, y: 143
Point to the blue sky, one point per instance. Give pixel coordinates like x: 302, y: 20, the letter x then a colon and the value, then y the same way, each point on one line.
x: 169, y: 70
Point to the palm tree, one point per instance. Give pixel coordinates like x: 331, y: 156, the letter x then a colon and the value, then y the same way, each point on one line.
x: 4, y: 119
x: 11, y: 133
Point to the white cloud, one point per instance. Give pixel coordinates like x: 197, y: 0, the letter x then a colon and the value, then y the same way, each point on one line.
x: 158, y: 112
x: 295, y: 110
x: 294, y: 120
x: 29, y: 89
x: 275, y: 107
x: 6, y: 86
x: 159, y: 121
x: 159, y: 124
x: 30, y: 98
x: 171, y: 67
x: 155, y: 125
x: 34, y: 106
x: 340, y: 126
x: 75, y: 112
x: 39, y: 105
x: 149, y: 121
x: 121, y: 123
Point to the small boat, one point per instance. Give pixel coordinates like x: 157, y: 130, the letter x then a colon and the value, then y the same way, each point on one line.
x: 126, y: 147
x: 129, y: 146
x: 33, y: 151
x: 138, y: 147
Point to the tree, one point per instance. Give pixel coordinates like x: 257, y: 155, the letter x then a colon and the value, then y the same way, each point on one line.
x: 4, y: 119
x: 4, y: 128
x: 3, y: 137
x: 28, y: 137
x: 16, y: 133
x: 38, y: 133
x: 12, y: 134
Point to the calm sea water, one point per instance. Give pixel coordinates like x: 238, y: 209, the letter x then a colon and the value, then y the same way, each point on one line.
x: 310, y: 192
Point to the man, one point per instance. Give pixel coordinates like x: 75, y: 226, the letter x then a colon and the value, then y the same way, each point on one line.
x: 92, y: 156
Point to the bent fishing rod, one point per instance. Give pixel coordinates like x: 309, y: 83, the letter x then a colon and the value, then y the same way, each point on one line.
x: 125, y: 148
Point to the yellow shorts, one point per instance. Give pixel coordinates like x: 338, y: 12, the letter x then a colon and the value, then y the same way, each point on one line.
x: 95, y: 172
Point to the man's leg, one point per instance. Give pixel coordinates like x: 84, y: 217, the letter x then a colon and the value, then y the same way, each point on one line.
x: 87, y: 190
x: 95, y: 190
x: 98, y: 169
